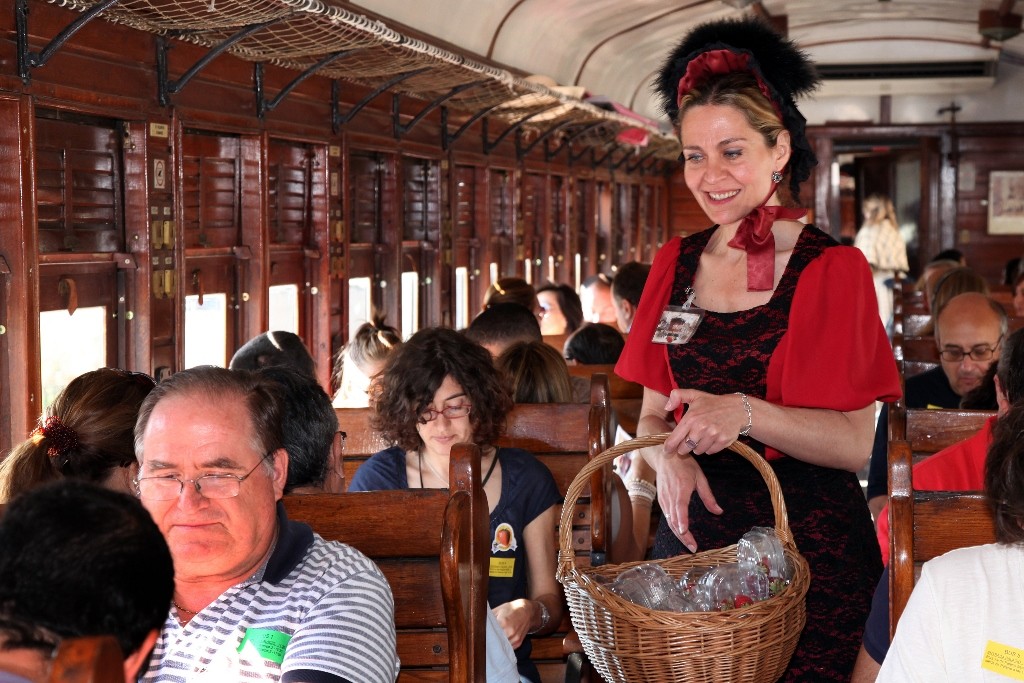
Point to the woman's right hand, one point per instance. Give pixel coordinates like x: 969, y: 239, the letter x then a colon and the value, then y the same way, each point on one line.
x: 678, y: 477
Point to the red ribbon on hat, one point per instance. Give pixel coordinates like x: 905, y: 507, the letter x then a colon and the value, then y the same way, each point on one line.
x: 755, y: 237
x: 718, y: 62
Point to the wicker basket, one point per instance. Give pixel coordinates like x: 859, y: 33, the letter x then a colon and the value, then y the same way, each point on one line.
x: 628, y: 643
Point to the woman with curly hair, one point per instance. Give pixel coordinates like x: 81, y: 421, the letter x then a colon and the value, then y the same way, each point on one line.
x: 87, y: 433
x: 439, y: 389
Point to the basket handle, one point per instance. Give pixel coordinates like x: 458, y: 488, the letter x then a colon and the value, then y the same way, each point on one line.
x: 566, y: 554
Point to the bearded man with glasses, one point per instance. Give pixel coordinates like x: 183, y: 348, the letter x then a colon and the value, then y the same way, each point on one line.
x: 256, y: 597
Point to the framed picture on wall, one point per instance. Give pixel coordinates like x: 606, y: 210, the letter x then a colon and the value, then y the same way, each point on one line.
x: 1006, y: 203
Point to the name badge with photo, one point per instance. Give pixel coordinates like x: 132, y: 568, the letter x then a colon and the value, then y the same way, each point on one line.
x: 677, y: 324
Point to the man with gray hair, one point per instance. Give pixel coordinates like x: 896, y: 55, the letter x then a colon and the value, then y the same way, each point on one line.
x: 256, y: 597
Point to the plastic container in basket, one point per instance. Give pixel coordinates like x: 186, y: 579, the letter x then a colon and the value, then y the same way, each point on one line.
x: 629, y: 643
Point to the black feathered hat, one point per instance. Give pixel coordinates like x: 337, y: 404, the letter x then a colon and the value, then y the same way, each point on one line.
x: 782, y: 70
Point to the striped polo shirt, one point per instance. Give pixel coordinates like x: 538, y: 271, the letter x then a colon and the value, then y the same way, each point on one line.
x: 316, y: 611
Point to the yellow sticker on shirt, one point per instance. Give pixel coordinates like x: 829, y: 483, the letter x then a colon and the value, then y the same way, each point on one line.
x: 502, y: 567
x: 1004, y: 659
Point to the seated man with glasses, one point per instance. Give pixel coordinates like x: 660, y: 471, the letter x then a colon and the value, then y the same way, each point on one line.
x: 969, y: 332
x: 960, y: 467
x: 256, y: 597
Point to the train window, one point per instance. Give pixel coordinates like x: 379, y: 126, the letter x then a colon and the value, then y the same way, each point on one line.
x: 284, y: 308
x: 410, y: 303
x: 359, y: 306
x: 70, y: 345
x: 461, y: 297
x: 206, y: 330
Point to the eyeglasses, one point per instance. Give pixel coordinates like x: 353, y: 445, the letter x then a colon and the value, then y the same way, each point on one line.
x: 981, y: 352
x: 450, y: 412
x: 213, y: 486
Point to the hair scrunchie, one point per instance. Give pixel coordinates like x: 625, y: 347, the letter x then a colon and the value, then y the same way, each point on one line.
x: 61, y: 437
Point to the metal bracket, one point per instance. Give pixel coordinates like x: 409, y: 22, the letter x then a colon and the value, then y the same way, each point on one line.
x: 633, y: 168
x: 401, y: 130
x: 28, y: 60
x: 522, y: 151
x: 167, y: 87
x: 550, y: 154
x: 489, y: 145
x: 594, y: 162
x: 573, y: 158
x: 614, y: 165
x: 446, y: 139
x: 338, y: 119
x: 263, y: 105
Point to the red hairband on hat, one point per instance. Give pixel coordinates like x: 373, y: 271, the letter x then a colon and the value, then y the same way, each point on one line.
x: 717, y: 63
x: 61, y: 437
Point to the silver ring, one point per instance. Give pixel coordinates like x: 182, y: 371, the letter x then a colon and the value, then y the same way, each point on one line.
x: 690, y: 443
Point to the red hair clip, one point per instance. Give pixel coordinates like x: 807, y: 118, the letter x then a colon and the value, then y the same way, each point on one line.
x: 61, y: 437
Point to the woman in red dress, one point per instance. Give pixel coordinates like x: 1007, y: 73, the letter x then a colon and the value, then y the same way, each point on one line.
x: 784, y: 348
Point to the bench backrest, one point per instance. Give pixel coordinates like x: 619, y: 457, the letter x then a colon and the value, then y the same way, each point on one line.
x: 89, y: 659
x: 924, y: 525
x: 626, y: 397
x: 929, y: 431
x: 433, y: 547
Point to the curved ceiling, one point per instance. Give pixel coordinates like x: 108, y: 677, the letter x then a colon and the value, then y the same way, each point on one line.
x: 613, y: 47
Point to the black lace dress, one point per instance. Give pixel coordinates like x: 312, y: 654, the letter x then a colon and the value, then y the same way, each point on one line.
x: 740, y: 351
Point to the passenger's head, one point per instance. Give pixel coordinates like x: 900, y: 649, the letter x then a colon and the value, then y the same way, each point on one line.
x: 80, y: 560
x: 742, y: 69
x: 1004, y: 476
x: 536, y: 373
x: 594, y: 344
x: 627, y: 287
x: 274, y: 348
x: 412, y: 385
x: 500, y: 325
x: 930, y: 277
x: 511, y: 290
x: 362, y: 359
x: 86, y: 433
x: 209, y: 447
x: 596, y: 299
x: 560, y: 309
x: 954, y: 255
x: 969, y: 332
x: 1018, y: 295
x: 954, y: 282
x: 1010, y: 371
x: 879, y: 209
x: 309, y: 431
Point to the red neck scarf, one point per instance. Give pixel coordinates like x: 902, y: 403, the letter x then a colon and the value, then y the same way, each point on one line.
x: 755, y: 237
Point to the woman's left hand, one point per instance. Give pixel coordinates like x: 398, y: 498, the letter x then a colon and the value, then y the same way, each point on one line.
x: 711, y: 423
x: 514, y: 617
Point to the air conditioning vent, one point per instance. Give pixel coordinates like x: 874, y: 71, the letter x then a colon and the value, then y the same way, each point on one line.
x: 910, y: 78
x: 912, y: 70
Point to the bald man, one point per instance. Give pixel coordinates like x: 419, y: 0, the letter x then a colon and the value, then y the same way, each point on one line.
x: 969, y: 333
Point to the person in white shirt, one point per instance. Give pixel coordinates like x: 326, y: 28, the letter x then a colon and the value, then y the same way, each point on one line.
x: 962, y: 622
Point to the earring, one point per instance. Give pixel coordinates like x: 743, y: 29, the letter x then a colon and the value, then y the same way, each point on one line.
x: 776, y: 177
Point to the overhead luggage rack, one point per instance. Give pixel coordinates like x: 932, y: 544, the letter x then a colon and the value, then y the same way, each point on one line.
x: 302, y: 35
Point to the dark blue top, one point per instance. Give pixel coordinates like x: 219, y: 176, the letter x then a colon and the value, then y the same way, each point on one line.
x: 930, y: 388
x: 527, y: 490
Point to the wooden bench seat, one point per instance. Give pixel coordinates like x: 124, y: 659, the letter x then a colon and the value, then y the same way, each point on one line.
x: 435, y: 560
x: 926, y: 524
